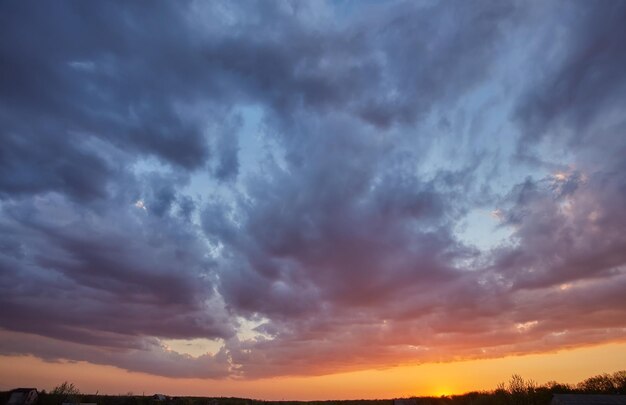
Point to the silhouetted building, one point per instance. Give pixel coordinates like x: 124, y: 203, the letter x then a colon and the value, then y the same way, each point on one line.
x: 23, y: 396
x: 584, y: 399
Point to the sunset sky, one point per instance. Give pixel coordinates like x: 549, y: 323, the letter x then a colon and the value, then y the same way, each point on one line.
x: 311, y: 199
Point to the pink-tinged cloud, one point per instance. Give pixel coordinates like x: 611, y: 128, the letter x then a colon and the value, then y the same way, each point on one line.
x: 298, y: 186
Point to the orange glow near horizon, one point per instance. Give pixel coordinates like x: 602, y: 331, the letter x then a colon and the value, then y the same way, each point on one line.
x: 434, y: 379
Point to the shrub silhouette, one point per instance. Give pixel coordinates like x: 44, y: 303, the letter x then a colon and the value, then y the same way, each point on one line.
x: 517, y: 392
x: 66, y: 392
x: 605, y: 383
x: 65, y: 389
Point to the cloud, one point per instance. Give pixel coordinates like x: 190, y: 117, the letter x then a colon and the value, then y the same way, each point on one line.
x: 137, y: 206
x: 585, y: 83
x: 568, y: 224
x: 105, y: 278
x: 150, y: 357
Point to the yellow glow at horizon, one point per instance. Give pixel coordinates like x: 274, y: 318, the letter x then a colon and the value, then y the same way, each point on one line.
x: 434, y: 379
x: 441, y: 392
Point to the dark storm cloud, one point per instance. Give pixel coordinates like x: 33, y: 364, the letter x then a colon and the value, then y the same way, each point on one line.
x: 576, y: 105
x: 128, y: 76
x: 131, y: 214
x: 320, y: 233
x: 120, y: 272
x: 588, y: 81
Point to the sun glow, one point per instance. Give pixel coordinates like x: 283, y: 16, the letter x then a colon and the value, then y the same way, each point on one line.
x: 442, y: 392
x: 435, y: 379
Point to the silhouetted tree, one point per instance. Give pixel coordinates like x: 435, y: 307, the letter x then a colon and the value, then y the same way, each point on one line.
x: 599, y: 384
x: 65, y: 389
x: 66, y: 392
x: 517, y: 392
x: 557, y: 388
x: 619, y: 381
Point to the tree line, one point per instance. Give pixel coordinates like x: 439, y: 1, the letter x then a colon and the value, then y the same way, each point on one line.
x: 517, y: 391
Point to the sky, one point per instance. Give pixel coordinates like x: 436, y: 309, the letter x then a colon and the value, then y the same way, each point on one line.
x: 311, y: 200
